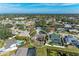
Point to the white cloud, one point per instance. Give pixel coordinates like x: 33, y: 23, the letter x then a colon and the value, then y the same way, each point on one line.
x: 50, y: 4
x: 59, y: 4
x: 67, y: 4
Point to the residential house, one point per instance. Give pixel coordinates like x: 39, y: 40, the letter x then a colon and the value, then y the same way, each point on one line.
x: 55, y: 38
x: 70, y: 40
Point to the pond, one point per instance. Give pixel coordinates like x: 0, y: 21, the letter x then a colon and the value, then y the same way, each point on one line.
x: 20, y: 42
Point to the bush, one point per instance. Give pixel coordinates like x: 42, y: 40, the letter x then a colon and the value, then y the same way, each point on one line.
x: 53, y: 53
x: 22, y: 38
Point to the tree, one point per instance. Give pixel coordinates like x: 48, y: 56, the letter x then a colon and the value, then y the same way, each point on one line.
x: 32, y: 32
x: 22, y: 38
x: 8, y: 25
x: 5, y: 33
x: 20, y: 26
x: 41, y: 23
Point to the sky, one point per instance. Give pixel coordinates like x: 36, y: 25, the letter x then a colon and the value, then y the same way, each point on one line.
x: 40, y: 8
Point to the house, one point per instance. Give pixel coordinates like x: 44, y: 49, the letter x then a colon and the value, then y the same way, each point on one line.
x: 19, y: 32
x: 67, y: 26
x: 73, y: 30
x: 70, y: 40
x: 38, y: 29
x: 60, y: 29
x: 16, y: 18
x: 30, y: 23
x: 71, y: 18
x: 40, y: 38
x: 77, y: 27
x: 55, y: 38
x: 23, y: 33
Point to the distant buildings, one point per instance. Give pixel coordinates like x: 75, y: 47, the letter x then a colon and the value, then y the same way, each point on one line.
x: 73, y: 30
x: 77, y: 27
x: 20, y: 18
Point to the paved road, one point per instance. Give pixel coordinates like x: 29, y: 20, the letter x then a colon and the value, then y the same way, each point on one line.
x: 9, y: 43
x: 21, y: 52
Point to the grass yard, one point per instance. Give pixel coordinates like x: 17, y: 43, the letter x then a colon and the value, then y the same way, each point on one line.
x: 1, y: 43
x: 41, y: 51
x: 9, y: 53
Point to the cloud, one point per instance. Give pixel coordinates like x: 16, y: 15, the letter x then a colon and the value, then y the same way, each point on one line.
x: 52, y: 4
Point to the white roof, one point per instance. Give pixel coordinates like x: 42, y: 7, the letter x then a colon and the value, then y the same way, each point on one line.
x: 77, y: 25
x: 67, y: 25
x: 75, y: 30
x: 24, y: 33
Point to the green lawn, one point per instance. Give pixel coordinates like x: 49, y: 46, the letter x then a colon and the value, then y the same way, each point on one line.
x: 41, y: 51
x: 1, y: 43
x: 9, y: 53
x: 71, y: 51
